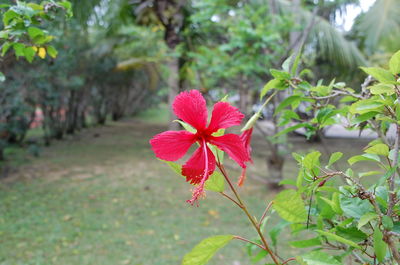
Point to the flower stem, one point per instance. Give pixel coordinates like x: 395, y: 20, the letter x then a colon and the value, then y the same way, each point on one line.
x: 250, y: 217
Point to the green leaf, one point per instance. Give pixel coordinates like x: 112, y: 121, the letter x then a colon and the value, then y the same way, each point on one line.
x: 363, y: 117
x: 272, y: 84
x: 290, y: 206
x: 306, y: 243
x: 336, y: 203
x: 351, y: 233
x: 280, y: 74
x: 8, y: 16
x: 291, y: 128
x: 215, y: 182
x: 337, y: 238
x: 2, y: 77
x: 19, y: 49
x: 366, y: 218
x: 364, y: 106
x: 319, y: 258
x: 52, y: 51
x: 379, y: 74
x: 334, y: 157
x: 286, y: 102
x: 5, y: 47
x: 29, y: 54
x: 378, y: 149
x: 387, y: 222
x: 379, y: 89
x: 186, y: 126
x: 206, y: 249
x: 174, y: 166
x: 3, y: 34
x: 394, y: 63
x: 34, y: 32
x: 365, y: 157
x: 311, y: 160
x: 276, y: 230
x: 353, y: 206
x: 380, y: 246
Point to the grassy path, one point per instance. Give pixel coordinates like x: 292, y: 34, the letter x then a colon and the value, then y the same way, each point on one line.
x: 102, y: 198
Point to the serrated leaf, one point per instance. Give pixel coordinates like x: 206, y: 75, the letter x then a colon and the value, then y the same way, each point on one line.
x: 380, y: 246
x: 337, y: 238
x: 290, y: 206
x: 319, y: 258
x: 206, y: 249
x: 379, y: 74
x: 334, y: 157
x: 394, y: 63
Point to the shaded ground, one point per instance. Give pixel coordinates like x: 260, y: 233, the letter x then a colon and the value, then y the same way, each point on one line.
x: 102, y: 198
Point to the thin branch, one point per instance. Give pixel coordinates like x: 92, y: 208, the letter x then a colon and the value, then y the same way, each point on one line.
x: 249, y: 241
x: 265, y: 213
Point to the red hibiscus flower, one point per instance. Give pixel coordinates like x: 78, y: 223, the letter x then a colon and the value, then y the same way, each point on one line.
x: 246, y: 139
x: 191, y: 107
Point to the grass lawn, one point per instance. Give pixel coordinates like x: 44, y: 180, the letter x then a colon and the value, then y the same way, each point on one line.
x: 101, y: 197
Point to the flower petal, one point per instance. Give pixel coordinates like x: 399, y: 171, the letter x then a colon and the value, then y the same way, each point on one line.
x: 190, y: 106
x: 246, y: 139
x: 233, y: 146
x: 194, y: 168
x: 172, y: 145
x: 223, y: 116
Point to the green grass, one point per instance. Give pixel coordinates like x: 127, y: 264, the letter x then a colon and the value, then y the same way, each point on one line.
x: 101, y: 197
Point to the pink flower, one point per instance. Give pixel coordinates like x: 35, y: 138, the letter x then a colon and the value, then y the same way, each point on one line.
x: 190, y: 106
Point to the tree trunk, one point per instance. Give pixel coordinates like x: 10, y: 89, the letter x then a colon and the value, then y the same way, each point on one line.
x: 173, y: 84
x: 2, y: 157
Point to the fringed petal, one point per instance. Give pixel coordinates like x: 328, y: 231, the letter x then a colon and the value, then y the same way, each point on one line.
x: 190, y: 106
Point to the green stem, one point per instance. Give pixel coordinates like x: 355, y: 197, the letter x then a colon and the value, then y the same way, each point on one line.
x: 250, y: 217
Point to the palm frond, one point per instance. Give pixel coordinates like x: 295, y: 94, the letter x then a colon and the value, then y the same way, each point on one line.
x: 380, y: 26
x: 331, y: 42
